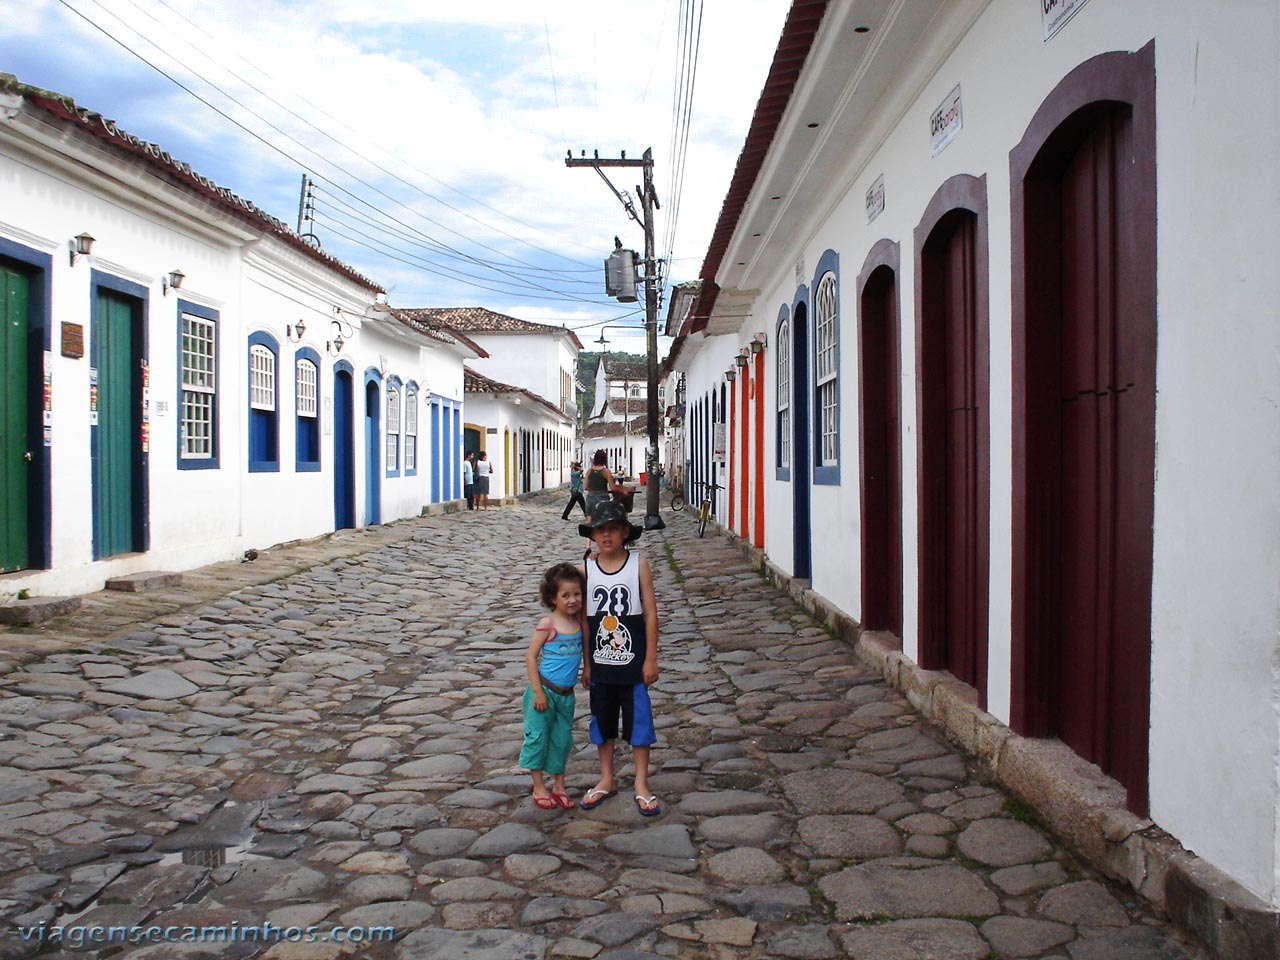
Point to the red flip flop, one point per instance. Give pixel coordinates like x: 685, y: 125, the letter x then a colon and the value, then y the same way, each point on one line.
x: 545, y: 803
x: 564, y: 800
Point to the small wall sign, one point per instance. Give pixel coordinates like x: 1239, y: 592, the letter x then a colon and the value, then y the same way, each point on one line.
x: 73, y: 340
x: 946, y: 121
x: 875, y: 199
x: 1054, y: 15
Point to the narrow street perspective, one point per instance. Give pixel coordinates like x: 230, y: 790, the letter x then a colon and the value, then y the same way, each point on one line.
x: 324, y: 764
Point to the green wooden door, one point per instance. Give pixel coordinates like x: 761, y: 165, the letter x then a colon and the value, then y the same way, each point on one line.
x: 115, y: 358
x: 15, y: 444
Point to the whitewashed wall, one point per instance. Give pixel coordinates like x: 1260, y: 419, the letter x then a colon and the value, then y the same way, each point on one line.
x: 1216, y: 616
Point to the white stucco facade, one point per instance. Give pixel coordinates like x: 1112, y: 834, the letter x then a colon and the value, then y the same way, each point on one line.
x: 1214, y: 738
x: 263, y: 469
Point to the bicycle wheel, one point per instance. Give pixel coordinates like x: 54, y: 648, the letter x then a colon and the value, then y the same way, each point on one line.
x: 677, y: 502
x: 703, y: 514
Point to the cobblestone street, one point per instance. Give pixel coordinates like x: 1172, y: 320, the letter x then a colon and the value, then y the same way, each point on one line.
x: 337, y: 747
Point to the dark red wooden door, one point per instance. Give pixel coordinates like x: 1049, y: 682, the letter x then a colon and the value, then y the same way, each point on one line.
x: 881, y: 455
x: 1101, y: 403
x: 953, y: 527
x: 959, y: 319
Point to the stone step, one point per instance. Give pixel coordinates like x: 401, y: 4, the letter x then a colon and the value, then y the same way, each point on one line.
x: 38, y: 609
x: 142, y: 582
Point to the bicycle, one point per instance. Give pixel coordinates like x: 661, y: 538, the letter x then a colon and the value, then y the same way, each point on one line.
x: 677, y: 497
x: 704, y: 509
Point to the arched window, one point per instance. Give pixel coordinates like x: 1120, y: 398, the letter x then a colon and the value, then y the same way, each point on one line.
x: 264, y: 414
x: 826, y: 376
x: 783, y: 341
x: 411, y: 429
x: 307, y: 403
x: 393, y: 427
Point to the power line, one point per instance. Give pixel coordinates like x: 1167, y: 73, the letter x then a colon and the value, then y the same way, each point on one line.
x: 336, y: 120
x: 487, y: 264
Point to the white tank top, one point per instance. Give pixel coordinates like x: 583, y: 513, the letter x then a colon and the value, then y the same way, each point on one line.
x: 615, y: 622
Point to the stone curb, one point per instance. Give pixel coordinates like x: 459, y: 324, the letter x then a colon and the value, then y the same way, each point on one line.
x: 1071, y: 796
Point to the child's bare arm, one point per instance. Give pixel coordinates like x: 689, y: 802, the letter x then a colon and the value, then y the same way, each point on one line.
x: 650, y: 602
x: 543, y: 632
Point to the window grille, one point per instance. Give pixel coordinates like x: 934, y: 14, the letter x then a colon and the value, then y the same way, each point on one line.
x: 199, y: 357
x: 411, y: 430
x: 826, y: 379
x: 306, y: 388
x: 262, y: 378
x: 393, y: 428
x: 784, y: 396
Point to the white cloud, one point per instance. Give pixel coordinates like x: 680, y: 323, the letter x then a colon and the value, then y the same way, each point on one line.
x: 437, y: 93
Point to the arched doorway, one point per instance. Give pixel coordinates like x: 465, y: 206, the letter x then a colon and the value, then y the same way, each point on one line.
x: 344, y: 444
x: 1084, y: 345
x: 372, y: 450
x: 802, y: 549
x: 952, y: 383
x: 879, y: 376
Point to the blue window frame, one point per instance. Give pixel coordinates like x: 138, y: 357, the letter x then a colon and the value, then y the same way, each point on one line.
x: 826, y: 370
x: 264, y: 406
x: 410, y: 429
x: 306, y: 401
x: 197, y: 387
x: 782, y: 370
x: 394, y: 394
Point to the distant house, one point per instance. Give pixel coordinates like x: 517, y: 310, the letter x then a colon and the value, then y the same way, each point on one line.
x: 184, y: 377
x: 522, y: 405
x: 619, y: 422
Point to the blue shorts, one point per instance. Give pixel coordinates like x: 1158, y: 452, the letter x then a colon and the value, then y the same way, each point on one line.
x: 607, y: 700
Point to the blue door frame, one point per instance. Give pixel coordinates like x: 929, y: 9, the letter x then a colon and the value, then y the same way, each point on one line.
x: 372, y: 449
x: 800, y: 465
x: 344, y: 447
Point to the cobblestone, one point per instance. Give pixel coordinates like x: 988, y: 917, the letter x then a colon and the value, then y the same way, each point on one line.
x: 330, y: 735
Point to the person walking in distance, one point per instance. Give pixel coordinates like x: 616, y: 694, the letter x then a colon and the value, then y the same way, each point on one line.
x: 552, y: 661
x: 484, y: 470
x: 575, y: 490
x: 622, y: 641
x: 600, y: 484
x: 469, y: 480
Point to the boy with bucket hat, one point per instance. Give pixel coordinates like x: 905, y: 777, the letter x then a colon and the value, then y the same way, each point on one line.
x: 622, y: 638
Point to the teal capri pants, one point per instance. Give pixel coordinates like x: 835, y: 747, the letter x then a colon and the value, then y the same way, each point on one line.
x: 548, y: 734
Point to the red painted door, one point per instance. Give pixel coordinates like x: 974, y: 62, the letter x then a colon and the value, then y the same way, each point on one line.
x: 881, y: 455
x: 1102, y: 396
x: 952, y: 530
x: 959, y: 319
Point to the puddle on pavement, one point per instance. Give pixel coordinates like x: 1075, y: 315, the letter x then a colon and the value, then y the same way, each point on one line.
x: 211, y: 856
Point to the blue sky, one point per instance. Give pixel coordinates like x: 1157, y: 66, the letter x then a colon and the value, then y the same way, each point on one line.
x: 436, y: 130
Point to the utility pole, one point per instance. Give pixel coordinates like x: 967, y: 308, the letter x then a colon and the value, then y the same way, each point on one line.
x: 648, y: 204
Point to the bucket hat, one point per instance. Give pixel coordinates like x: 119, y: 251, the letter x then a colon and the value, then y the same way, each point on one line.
x: 610, y: 512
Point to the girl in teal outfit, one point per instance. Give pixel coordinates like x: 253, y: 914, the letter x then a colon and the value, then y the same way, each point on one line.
x: 553, y: 661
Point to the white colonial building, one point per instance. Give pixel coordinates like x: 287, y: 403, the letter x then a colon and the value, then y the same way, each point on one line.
x: 521, y: 406
x: 185, y: 378
x: 1013, y: 269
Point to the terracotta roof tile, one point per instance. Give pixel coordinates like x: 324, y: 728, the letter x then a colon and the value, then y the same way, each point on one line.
x: 482, y: 320
x: 175, y: 171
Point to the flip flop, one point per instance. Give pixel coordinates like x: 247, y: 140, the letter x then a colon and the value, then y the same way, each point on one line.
x: 648, y: 806
x: 564, y: 800
x: 594, y: 797
x: 545, y: 803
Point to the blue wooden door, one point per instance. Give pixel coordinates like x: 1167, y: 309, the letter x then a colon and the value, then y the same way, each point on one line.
x: 344, y: 441
x: 803, y: 555
x: 372, y: 454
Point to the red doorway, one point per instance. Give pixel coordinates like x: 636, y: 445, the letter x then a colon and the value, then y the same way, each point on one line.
x: 952, y: 385
x: 879, y: 376
x: 1084, y: 344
